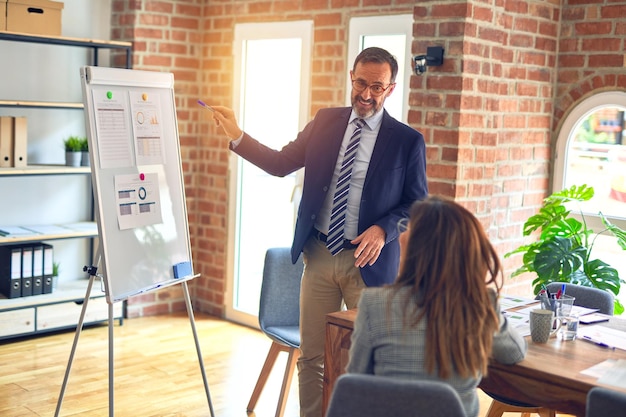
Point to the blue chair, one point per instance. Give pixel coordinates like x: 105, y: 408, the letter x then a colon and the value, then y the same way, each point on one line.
x: 604, y: 402
x: 279, y: 319
x: 366, y: 395
x: 583, y: 296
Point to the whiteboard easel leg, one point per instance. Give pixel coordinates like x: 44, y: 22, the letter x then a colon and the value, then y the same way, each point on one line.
x: 111, y: 365
x: 195, y: 336
x: 79, y: 328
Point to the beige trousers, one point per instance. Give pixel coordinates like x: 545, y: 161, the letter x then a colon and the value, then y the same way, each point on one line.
x: 328, y: 282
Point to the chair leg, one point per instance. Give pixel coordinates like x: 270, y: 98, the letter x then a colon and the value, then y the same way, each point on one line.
x: 294, y: 354
x: 497, y: 409
x: 275, y: 349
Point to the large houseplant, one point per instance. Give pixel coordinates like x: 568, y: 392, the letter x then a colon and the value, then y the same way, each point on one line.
x: 562, y: 251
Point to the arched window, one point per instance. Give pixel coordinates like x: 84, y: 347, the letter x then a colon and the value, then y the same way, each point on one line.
x: 591, y: 149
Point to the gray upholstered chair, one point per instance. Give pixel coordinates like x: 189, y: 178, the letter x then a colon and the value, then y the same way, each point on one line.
x: 583, y: 296
x: 279, y: 319
x: 366, y: 395
x: 604, y: 402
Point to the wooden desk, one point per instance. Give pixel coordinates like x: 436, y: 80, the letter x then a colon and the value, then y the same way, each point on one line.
x: 549, y: 375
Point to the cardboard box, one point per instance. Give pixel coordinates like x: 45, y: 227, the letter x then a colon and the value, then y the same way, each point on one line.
x: 6, y: 142
x: 39, y: 17
x: 13, y: 142
x: 20, y: 144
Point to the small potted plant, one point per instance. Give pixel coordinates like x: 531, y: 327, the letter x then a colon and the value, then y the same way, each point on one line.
x: 73, y: 148
x: 55, y: 275
x: 84, y: 148
x: 563, y: 249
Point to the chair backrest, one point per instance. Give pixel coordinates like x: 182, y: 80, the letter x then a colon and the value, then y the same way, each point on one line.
x: 586, y: 296
x: 279, y: 306
x: 604, y: 402
x: 366, y: 395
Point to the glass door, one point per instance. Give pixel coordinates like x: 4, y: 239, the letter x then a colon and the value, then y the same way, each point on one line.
x: 272, y: 72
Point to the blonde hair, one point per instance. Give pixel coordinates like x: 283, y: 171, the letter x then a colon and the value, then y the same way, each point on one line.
x: 449, y: 264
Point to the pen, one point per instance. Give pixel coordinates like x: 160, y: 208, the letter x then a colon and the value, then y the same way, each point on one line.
x: 206, y: 106
x: 546, y: 289
x: 597, y: 342
x: 562, y: 290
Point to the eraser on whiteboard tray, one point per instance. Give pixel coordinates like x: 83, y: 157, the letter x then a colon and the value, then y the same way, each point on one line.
x: 182, y: 269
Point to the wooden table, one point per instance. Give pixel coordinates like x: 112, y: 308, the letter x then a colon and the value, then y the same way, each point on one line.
x: 549, y: 375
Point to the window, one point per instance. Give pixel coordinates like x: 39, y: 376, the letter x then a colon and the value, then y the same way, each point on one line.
x: 591, y: 150
x: 393, y: 33
x: 272, y: 72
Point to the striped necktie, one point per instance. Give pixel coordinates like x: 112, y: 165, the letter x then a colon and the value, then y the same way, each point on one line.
x: 335, y: 239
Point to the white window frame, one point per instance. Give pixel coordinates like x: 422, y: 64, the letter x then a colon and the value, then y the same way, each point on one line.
x: 581, y: 111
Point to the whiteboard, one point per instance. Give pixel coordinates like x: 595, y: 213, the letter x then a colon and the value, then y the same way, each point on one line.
x: 137, y: 180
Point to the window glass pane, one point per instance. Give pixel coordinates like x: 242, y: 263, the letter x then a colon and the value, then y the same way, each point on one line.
x: 596, y: 155
x: 393, y: 33
x: 396, y: 45
x: 265, y: 215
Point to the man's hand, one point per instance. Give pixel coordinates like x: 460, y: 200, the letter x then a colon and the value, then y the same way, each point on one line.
x: 370, y: 242
x: 225, y: 118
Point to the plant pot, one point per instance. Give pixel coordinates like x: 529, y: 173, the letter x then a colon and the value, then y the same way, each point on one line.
x: 72, y: 159
x: 84, y: 159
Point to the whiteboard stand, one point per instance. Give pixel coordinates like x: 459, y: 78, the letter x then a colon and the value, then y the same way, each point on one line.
x: 195, y: 336
x: 79, y: 328
x: 92, y: 276
x: 138, y: 187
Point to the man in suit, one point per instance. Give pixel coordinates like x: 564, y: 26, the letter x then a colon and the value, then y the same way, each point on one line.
x: 387, y: 176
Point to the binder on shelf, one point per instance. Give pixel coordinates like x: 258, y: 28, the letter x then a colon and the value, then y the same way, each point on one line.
x: 48, y: 260
x: 20, y: 139
x: 11, y: 271
x: 37, y: 269
x: 27, y: 270
x: 6, y: 141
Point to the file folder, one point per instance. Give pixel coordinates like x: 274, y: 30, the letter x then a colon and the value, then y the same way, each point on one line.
x: 11, y: 271
x: 20, y: 145
x: 27, y: 270
x: 48, y: 259
x: 6, y: 142
x: 37, y: 269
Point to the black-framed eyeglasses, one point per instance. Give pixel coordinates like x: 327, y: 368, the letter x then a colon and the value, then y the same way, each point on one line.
x: 375, y: 89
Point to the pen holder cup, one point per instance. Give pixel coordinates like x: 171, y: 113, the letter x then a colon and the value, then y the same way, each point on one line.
x: 543, y: 324
x: 561, y: 307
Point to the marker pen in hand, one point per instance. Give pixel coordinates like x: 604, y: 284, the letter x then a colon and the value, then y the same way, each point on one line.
x: 206, y: 106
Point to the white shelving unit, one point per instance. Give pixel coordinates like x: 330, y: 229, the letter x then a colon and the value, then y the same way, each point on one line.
x: 60, y: 309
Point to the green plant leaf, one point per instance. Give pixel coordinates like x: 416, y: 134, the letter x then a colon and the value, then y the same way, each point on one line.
x: 564, y: 228
x: 602, y: 275
x: 558, y: 259
x: 617, y: 232
x: 548, y: 214
x: 574, y: 193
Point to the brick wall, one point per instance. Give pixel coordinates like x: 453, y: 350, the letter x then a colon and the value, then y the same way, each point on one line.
x: 512, y: 70
x: 486, y: 113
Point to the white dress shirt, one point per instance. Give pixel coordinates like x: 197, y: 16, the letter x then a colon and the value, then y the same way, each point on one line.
x: 359, y: 170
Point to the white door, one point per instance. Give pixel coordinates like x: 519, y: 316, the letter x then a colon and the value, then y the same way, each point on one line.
x: 271, y: 99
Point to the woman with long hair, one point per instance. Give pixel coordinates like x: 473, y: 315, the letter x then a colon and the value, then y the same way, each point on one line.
x: 439, y: 320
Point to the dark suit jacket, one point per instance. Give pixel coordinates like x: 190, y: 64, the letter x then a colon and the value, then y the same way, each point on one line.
x: 396, y: 177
